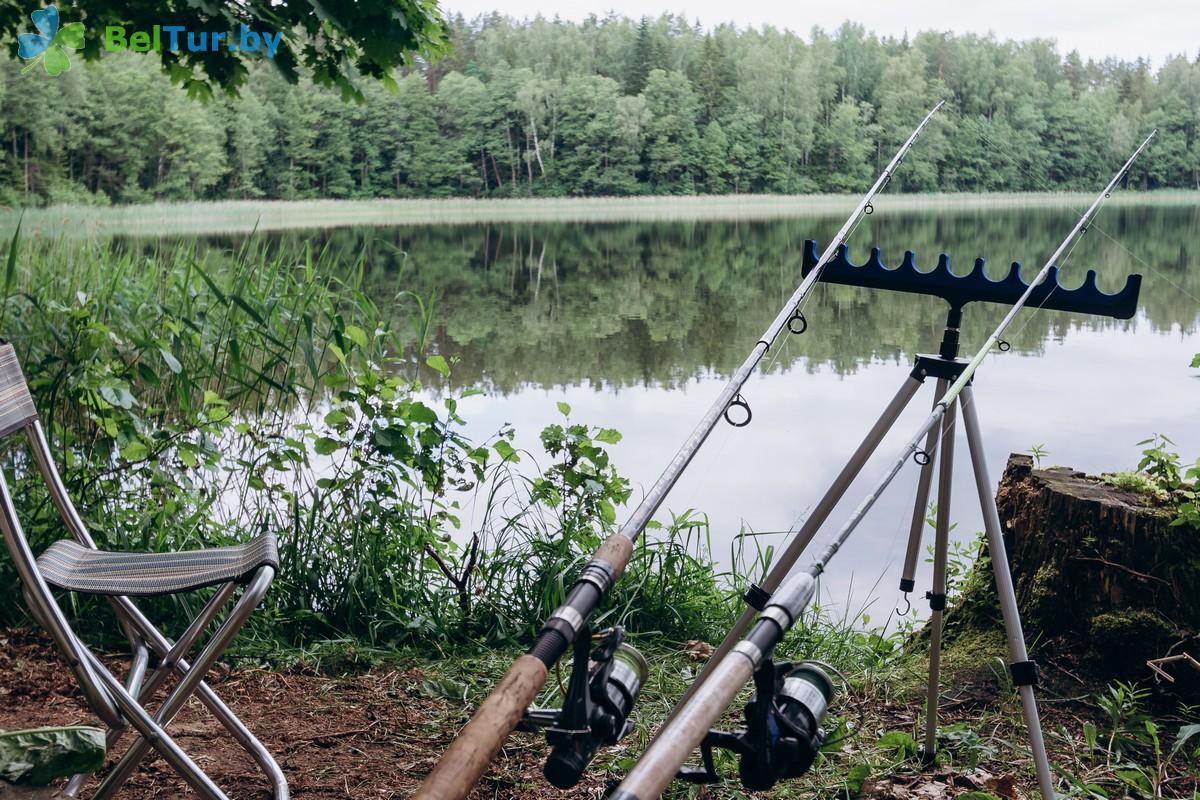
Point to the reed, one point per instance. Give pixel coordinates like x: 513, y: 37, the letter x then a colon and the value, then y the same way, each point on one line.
x: 173, y: 219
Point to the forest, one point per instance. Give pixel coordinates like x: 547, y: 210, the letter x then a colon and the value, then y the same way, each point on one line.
x: 607, y: 107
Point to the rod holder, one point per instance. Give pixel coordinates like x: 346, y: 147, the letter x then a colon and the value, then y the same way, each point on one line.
x: 975, y: 286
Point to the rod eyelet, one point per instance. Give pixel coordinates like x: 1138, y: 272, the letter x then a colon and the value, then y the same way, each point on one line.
x: 739, y: 402
x: 921, y: 457
x: 797, y: 319
x: 1003, y: 346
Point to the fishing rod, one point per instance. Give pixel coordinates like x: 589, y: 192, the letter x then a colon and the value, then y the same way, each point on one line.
x: 783, y: 729
x: 464, y: 762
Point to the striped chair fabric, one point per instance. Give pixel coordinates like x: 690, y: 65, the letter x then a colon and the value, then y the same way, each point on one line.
x: 71, y: 566
x: 16, y: 404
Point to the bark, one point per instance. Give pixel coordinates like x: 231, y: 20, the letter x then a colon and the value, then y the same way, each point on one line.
x: 1101, y: 574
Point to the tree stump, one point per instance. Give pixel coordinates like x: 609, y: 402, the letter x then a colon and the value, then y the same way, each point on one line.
x: 1103, y: 579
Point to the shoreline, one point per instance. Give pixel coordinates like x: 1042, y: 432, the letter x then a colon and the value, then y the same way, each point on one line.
x: 245, y: 216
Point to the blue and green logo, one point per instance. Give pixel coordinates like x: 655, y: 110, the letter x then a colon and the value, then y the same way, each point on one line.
x: 49, y: 46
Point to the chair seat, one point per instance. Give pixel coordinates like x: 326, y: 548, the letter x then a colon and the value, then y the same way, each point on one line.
x: 69, y: 565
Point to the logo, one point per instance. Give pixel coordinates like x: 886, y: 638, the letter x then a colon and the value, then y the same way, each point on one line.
x: 49, y: 48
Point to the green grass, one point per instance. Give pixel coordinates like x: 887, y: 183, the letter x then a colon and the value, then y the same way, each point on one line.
x: 200, y: 399
x: 165, y: 219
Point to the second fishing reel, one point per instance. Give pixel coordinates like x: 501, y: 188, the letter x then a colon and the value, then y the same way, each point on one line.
x: 596, y: 710
x: 783, y: 727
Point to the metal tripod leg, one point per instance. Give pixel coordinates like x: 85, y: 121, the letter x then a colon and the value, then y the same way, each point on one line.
x: 783, y: 565
x: 1023, y: 671
x: 921, y: 505
x: 937, y: 597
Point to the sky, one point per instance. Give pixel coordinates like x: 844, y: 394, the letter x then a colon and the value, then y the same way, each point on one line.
x: 1153, y: 29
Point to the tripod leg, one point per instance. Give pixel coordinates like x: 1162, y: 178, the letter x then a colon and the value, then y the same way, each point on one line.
x: 1023, y: 670
x: 922, y: 503
x: 937, y: 597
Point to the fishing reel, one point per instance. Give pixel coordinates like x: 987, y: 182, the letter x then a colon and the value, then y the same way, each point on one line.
x: 604, y: 685
x: 783, y: 733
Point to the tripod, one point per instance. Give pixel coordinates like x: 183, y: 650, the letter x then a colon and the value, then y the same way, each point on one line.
x: 946, y: 367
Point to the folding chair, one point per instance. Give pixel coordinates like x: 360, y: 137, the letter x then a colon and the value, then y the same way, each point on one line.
x: 76, y: 565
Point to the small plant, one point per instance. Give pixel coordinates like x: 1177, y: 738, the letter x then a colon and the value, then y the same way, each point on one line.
x: 1124, y: 705
x: 1160, y: 462
x: 1038, y: 451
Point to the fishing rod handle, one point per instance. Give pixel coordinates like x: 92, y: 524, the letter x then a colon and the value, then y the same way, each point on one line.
x: 467, y: 758
x: 662, y: 761
x: 464, y: 762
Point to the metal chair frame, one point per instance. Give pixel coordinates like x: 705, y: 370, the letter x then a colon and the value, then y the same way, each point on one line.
x: 122, y: 706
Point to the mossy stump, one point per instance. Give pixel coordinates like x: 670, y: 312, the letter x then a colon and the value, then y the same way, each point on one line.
x: 1104, y: 581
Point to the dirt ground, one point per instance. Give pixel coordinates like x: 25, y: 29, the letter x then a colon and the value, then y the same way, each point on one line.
x: 369, y: 735
x: 377, y: 733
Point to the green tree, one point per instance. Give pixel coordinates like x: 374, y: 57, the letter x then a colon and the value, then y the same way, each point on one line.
x: 846, y: 148
x: 671, y: 137
x: 369, y: 38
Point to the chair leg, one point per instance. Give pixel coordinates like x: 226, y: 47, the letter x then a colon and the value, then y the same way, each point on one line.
x: 150, y: 730
x: 236, y: 728
x: 190, y: 679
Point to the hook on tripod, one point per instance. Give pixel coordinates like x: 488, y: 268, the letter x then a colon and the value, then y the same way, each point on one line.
x: 739, y: 402
x: 907, y: 607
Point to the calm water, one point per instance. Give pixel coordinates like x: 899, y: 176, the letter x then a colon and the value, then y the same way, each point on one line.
x: 638, y: 325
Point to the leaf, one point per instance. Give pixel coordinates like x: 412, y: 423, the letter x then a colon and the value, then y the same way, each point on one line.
x: 856, y: 777
x: 1185, y: 733
x: 71, y: 35
x: 608, y: 435
x: 564, y: 408
x: 38, y: 756
x: 117, y: 396
x: 1090, y: 735
x: 1135, y: 779
x: 337, y: 353
x: 211, y: 398
x: 1196, y: 362
x: 172, y: 362
x: 506, y: 451
x: 438, y: 364
x: 135, y: 451
x: 356, y: 335
x: 900, y: 743
x: 325, y: 446
x: 56, y: 61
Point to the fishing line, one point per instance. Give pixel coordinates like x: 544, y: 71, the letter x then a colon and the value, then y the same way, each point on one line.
x: 1000, y: 148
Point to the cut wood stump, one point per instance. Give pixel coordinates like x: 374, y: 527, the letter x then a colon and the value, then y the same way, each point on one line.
x: 1103, y: 580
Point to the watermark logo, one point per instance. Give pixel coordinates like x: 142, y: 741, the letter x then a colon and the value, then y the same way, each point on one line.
x: 49, y: 47
x: 176, y: 38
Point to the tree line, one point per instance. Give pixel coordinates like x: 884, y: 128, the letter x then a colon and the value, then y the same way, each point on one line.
x: 609, y: 106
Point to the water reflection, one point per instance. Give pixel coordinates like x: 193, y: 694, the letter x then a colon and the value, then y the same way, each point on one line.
x: 637, y: 325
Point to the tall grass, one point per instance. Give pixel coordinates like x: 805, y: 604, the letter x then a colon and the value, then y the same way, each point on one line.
x: 201, y: 399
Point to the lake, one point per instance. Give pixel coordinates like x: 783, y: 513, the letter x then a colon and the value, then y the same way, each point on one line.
x: 638, y: 324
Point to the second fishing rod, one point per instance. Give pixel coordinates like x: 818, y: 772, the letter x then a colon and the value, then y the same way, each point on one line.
x: 464, y: 762
x: 783, y: 718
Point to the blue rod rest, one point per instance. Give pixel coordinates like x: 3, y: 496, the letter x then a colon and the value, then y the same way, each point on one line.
x: 975, y: 286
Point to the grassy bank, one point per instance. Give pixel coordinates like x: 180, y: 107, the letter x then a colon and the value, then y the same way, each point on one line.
x: 199, y: 399
x: 160, y: 219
